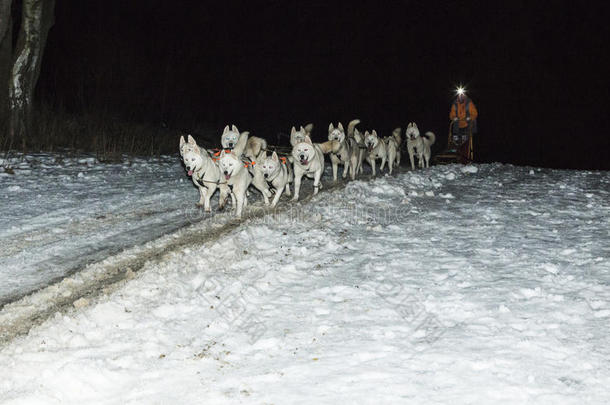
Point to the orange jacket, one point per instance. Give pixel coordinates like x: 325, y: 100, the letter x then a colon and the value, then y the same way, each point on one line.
x: 461, y: 111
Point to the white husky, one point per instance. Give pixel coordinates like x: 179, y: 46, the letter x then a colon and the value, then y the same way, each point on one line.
x: 204, y: 172
x: 376, y: 149
x: 420, y: 145
x: 347, y: 155
x: 309, y: 161
x: 392, y: 150
x: 359, y: 138
x: 276, y: 172
x: 236, y: 175
x: 397, y: 136
x: 230, y: 138
x: 299, y: 136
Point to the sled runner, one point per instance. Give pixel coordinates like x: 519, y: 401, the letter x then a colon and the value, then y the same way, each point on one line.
x: 456, y: 153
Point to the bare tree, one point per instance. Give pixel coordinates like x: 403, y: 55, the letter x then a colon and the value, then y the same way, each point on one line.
x: 6, y: 37
x: 37, y: 18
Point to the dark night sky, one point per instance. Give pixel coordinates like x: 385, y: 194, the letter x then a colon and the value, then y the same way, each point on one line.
x: 537, y: 71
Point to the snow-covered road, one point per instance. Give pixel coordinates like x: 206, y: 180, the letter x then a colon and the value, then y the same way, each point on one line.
x: 60, y: 214
x: 478, y: 284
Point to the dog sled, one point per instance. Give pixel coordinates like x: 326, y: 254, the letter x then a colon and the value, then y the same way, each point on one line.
x: 455, y: 153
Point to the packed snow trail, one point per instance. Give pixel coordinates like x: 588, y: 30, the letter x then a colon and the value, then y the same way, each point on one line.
x: 60, y: 214
x: 478, y: 284
x: 65, y: 256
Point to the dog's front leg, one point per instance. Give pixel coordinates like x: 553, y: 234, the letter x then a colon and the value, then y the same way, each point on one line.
x: 287, y: 189
x: 345, y: 169
x: 208, y: 195
x: 372, y: 161
x: 222, y: 200
x: 353, y: 167
x: 383, y: 159
x: 335, y: 167
x: 411, y: 157
x: 202, y: 196
x: 261, y: 185
x: 278, y: 194
x: 297, y: 184
x: 233, y: 201
x: 316, y: 181
x: 240, y: 205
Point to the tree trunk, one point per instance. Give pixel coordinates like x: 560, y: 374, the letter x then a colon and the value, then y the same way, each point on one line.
x: 6, y: 51
x: 36, y: 20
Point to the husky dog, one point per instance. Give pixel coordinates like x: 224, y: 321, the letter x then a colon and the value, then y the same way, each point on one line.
x: 420, y: 145
x: 398, y: 138
x: 392, y: 151
x: 376, y: 149
x: 277, y: 173
x: 230, y: 137
x: 309, y: 161
x: 255, y: 145
x: 359, y: 138
x: 204, y: 172
x: 299, y: 136
x: 347, y: 155
x: 235, y: 174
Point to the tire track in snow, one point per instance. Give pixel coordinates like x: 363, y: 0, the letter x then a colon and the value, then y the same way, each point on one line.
x: 106, y: 276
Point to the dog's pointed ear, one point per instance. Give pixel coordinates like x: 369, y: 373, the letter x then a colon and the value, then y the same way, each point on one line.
x: 308, y: 140
x: 340, y: 126
x: 224, y: 131
x: 366, y: 133
x: 330, y: 127
x: 292, y: 130
x: 234, y: 128
x: 274, y: 157
x: 374, y: 133
x: 308, y: 128
x: 302, y: 130
x: 182, y: 141
x: 192, y: 140
x: 293, y: 138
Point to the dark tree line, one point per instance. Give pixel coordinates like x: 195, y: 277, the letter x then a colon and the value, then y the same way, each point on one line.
x: 20, y: 62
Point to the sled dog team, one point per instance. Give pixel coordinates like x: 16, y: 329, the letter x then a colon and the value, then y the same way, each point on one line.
x: 243, y: 161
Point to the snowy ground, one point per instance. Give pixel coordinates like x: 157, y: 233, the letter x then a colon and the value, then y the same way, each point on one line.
x: 60, y: 214
x: 479, y: 284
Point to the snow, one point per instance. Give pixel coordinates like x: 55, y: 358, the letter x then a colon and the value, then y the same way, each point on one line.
x: 433, y: 286
x: 60, y: 214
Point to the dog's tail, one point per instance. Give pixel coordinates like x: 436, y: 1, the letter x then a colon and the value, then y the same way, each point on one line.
x: 330, y: 146
x: 350, y: 127
x: 308, y: 128
x: 431, y: 137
